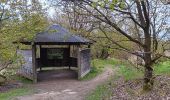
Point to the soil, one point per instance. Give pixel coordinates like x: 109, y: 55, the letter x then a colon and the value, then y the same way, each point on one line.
x: 63, y: 85
x: 133, y: 89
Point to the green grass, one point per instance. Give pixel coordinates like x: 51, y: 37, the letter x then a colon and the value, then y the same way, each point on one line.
x: 14, y: 93
x: 130, y: 73
x: 97, y: 67
x: 22, y: 79
x: 162, y: 68
x: 102, y: 92
x: 101, y: 62
x: 25, y: 90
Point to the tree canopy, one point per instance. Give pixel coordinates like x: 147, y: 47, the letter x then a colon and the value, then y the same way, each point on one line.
x: 19, y: 20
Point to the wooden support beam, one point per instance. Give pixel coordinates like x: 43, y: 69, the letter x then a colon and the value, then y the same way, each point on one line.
x: 34, y: 63
x: 69, y: 58
x: 79, y: 62
x: 40, y: 58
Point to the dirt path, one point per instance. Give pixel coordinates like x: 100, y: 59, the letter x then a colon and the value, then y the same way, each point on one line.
x: 67, y: 89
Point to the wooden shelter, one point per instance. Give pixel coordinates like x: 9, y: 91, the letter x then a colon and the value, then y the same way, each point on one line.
x: 56, y: 47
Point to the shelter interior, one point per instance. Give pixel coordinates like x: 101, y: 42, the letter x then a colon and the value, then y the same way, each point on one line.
x: 56, y: 56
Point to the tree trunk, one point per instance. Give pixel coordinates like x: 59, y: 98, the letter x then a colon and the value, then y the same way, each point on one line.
x: 148, y: 78
x: 148, y: 74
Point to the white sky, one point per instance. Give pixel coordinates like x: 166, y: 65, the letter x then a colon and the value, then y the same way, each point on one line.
x: 50, y: 10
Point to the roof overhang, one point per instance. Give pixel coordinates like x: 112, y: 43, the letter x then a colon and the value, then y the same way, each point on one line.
x: 56, y: 43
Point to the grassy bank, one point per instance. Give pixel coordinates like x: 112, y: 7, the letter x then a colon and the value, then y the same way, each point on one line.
x: 128, y: 73
x: 162, y: 68
x: 23, y: 90
x: 10, y: 95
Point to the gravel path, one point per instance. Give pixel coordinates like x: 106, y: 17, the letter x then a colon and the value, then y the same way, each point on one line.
x: 67, y: 89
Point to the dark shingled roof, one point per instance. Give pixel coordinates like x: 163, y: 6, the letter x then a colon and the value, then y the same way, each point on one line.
x: 56, y: 34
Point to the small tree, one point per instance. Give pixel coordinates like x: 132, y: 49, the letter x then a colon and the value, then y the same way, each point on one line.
x: 18, y: 20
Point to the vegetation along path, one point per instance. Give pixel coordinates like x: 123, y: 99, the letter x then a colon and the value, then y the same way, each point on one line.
x: 67, y: 89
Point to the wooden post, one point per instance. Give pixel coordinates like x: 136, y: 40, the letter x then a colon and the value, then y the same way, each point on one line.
x: 34, y: 64
x: 69, y: 58
x: 79, y: 62
x: 40, y: 59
